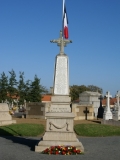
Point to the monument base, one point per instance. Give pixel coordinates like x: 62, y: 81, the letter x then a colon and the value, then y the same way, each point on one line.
x: 116, y: 115
x: 5, y: 117
x: 2, y: 123
x: 59, y: 131
x: 107, y: 115
x: 60, y: 103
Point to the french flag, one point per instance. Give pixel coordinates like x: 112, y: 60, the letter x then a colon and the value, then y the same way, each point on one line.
x: 65, y: 21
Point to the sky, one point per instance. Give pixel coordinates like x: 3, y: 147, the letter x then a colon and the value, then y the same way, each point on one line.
x: 27, y: 26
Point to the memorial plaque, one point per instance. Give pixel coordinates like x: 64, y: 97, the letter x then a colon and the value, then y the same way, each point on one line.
x: 61, y: 76
x: 36, y: 110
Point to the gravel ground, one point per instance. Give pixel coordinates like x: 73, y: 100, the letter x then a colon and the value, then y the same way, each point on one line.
x: 100, y: 148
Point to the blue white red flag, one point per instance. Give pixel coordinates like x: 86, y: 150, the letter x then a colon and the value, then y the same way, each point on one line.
x: 65, y: 21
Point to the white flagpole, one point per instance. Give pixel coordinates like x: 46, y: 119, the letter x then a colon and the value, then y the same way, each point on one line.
x: 62, y: 17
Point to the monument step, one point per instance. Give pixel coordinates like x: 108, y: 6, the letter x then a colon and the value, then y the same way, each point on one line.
x: 59, y: 136
x: 46, y: 144
x: 7, y: 122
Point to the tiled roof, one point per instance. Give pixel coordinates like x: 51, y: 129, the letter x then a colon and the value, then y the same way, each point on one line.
x: 76, y: 101
x: 13, y: 96
x: 112, y: 101
x: 46, y: 98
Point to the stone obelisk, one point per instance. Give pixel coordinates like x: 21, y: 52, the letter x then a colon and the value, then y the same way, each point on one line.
x: 59, y: 125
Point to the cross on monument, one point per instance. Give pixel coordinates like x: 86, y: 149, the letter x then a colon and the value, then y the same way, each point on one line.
x: 100, y: 109
x: 108, y: 100
x: 100, y: 98
x: 61, y: 42
x: 86, y: 111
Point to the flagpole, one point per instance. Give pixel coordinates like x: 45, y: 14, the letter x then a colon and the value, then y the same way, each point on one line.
x: 62, y: 15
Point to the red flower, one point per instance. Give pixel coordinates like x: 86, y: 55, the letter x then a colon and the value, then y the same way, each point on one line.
x: 78, y: 151
x: 64, y: 150
x: 57, y: 152
x: 63, y: 153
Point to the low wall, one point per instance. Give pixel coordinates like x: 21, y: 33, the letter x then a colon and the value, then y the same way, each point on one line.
x: 110, y: 122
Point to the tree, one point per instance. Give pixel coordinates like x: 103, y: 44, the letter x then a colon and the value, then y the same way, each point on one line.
x: 75, y: 90
x: 36, y: 90
x: 95, y: 89
x: 12, y: 88
x: 28, y: 90
x: 21, y: 88
x: 3, y: 87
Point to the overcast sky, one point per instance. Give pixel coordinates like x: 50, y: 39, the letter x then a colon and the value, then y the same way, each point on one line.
x: 27, y: 26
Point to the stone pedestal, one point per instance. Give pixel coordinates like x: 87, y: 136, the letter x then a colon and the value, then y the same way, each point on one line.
x: 116, y: 115
x: 60, y: 103
x: 59, y: 131
x: 107, y: 115
x: 5, y: 117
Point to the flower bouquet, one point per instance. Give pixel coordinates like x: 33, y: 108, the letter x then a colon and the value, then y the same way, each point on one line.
x: 62, y: 150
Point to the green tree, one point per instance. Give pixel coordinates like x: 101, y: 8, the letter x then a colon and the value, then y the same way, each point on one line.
x: 21, y: 88
x: 12, y: 88
x: 36, y: 90
x: 28, y: 90
x: 95, y: 88
x: 3, y: 87
x: 75, y: 90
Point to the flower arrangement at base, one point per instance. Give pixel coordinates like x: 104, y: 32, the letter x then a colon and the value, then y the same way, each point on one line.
x: 62, y: 150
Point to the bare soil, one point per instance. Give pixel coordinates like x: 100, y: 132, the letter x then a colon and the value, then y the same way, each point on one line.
x: 43, y: 121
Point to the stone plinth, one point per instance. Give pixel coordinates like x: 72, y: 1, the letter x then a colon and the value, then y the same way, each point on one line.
x: 116, y: 115
x: 5, y: 117
x: 60, y: 103
x: 107, y: 115
x: 59, y: 131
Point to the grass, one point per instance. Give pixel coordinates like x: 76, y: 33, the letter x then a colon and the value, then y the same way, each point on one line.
x: 22, y: 130
x: 90, y: 130
x: 96, y: 130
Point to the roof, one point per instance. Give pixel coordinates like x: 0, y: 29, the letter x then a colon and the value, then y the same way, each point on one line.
x: 15, y: 96
x: 91, y: 93
x: 76, y: 101
x: 46, y: 98
x: 112, y: 101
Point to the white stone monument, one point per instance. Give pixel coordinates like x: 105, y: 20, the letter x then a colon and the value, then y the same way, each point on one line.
x: 5, y: 117
x: 116, y: 113
x: 59, y: 125
x: 107, y: 112
x: 90, y: 98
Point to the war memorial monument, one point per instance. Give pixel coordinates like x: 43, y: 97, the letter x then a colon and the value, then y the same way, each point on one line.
x: 59, y: 120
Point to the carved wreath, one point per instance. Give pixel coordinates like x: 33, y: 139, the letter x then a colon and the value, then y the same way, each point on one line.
x: 59, y: 127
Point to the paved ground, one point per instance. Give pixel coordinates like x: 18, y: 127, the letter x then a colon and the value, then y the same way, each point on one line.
x: 22, y: 148
x: 17, y: 148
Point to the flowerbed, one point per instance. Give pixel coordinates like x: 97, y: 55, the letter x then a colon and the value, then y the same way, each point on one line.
x: 62, y: 150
